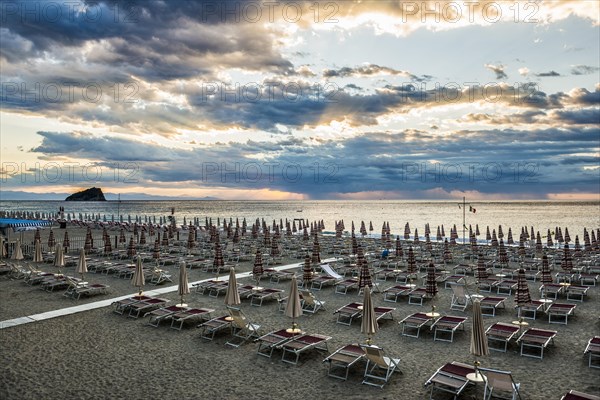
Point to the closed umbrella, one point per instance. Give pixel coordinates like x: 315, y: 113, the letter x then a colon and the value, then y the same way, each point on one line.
x: 131, y: 248
x: 66, y: 242
x: 479, y: 344
x: 430, y: 282
x: 307, y: 272
x: 232, y: 296
x: 37, y: 255
x: 293, y: 309
x: 138, y: 280
x: 364, y: 278
x: 51, y: 240
x: 182, y: 287
x: 369, y: 324
x: 3, y: 249
x: 522, y: 295
x: 546, y: 275
x: 257, y: 269
x: 17, y: 252
x: 81, y: 263
x: 59, y: 257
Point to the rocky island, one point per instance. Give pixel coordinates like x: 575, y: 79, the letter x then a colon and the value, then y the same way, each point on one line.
x: 91, y: 194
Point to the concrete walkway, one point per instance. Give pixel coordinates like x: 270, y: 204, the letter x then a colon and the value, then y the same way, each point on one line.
x: 105, y: 303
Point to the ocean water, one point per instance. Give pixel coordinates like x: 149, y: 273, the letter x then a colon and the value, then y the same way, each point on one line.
x: 542, y: 215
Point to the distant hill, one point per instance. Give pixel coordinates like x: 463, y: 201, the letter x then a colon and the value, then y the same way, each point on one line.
x: 91, y: 194
x: 14, y: 195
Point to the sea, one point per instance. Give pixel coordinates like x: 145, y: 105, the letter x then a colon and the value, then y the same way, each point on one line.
x: 542, y: 215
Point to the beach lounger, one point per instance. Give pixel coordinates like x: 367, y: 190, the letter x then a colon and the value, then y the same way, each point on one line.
x: 560, y: 311
x: 380, y: 367
x: 246, y: 291
x: 123, y: 305
x: 593, y: 349
x: 530, y: 310
x: 292, y: 349
x: 160, y: 314
x: 392, y: 294
x: 506, y: 286
x: 486, y: 285
x: 217, y: 289
x: 343, y: 359
x: 552, y: 290
x: 212, y: 326
x: 502, y: 333
x: 323, y: 280
x: 450, y: 280
x: 141, y: 308
x: 329, y: 271
x: 345, y: 285
x: 243, y: 330
x: 450, y: 378
x: 276, y: 276
x: 76, y: 290
x: 538, y: 339
x: 310, y: 303
x: 491, y: 303
x: 383, y: 313
x: 347, y: 313
x: 259, y: 296
x: 587, y: 279
x: 447, y: 325
x: 576, y: 292
x: 500, y: 381
x: 416, y: 296
x: 415, y: 321
x: 160, y: 276
x: 460, y: 299
x: 192, y: 314
x: 576, y: 395
x: 267, y: 343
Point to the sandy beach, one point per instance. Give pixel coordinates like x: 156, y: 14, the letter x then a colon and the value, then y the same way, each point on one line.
x: 98, y: 354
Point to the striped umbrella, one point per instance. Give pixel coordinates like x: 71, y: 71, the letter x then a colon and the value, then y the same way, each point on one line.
x: 587, y: 244
x: 364, y: 278
x: 500, y: 233
x: 165, y: 239
x: 218, y: 261
x: 275, y: 247
x: 131, y: 248
x: 316, y: 255
x: 488, y: 236
x: 447, y: 253
x: 143, y: 238
x: 502, y: 256
x: 567, y: 236
x: 368, y: 326
x: 122, y: 236
x: 3, y: 248
x: 307, y: 272
x: 443, y: 232
x: 305, y: 236
x: 567, y: 262
x: 411, y: 262
x: 399, y: 252
x: 191, y: 243
x: 363, y: 228
x: 406, y: 231
x: 354, y: 244
x: 477, y: 233
x: 481, y: 272
x: 494, y: 239
x: 66, y: 242
x: 538, y: 243
x: 370, y: 226
x: 257, y: 269
x: 522, y: 252
x: 522, y: 295
x: 430, y: 282
x: 37, y: 236
x: 510, y: 240
x: 156, y: 251
x: 88, y: 241
x: 51, y: 240
x: 107, y: 245
x: 546, y: 276
x: 549, y: 241
x: 577, y: 249
x: 416, y: 239
x: 438, y: 236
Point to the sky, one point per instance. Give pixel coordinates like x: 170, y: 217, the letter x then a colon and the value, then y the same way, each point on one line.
x: 290, y: 100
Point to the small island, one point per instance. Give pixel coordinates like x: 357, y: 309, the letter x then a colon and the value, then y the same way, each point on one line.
x: 91, y: 194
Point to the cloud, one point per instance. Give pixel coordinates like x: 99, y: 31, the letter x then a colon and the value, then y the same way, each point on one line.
x: 583, y: 70
x: 524, y: 71
x: 548, y: 74
x: 498, y: 70
x: 370, y: 70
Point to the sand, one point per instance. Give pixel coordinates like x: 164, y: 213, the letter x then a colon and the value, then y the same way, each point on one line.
x: 98, y: 354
